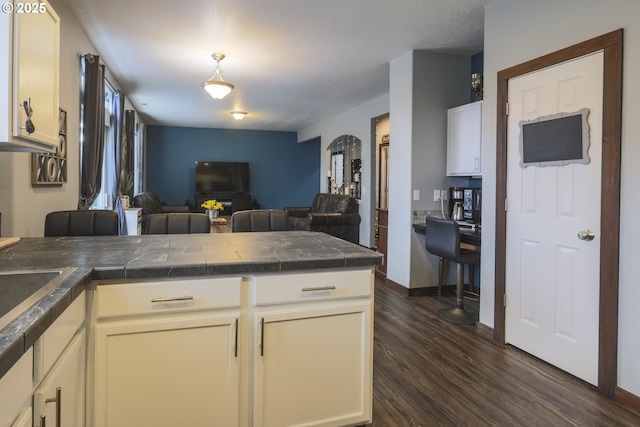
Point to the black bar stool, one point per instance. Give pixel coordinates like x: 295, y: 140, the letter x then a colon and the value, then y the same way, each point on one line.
x: 443, y: 240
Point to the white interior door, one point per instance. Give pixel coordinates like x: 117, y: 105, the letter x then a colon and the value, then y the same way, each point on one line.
x: 552, y: 276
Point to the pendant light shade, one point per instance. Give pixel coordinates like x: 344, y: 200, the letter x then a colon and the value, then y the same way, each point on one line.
x: 216, y: 86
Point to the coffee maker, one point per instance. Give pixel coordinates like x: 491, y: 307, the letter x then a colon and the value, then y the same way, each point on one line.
x: 456, y: 199
x: 472, y: 205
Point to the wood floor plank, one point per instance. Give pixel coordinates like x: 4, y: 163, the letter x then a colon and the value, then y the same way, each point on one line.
x: 429, y: 372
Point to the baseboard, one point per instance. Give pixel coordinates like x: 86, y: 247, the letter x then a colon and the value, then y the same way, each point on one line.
x: 629, y: 400
x: 394, y: 286
x: 484, y: 331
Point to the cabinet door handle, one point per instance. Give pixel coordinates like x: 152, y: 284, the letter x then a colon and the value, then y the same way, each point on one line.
x: 28, y: 124
x: 477, y: 164
x: 169, y: 299
x: 58, y: 401
x: 235, y: 352
x: 318, y: 288
x: 261, y: 337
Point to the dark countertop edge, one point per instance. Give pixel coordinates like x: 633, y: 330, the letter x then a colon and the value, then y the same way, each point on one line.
x: 21, y: 334
x: 18, y: 337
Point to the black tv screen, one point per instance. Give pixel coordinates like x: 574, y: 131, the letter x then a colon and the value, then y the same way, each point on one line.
x: 224, y: 177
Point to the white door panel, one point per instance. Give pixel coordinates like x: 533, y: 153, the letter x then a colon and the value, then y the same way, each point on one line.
x: 552, y: 277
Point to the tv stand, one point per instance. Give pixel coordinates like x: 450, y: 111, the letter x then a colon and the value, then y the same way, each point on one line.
x: 232, y: 202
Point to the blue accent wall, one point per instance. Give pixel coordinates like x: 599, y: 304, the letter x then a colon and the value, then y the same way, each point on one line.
x: 282, y: 171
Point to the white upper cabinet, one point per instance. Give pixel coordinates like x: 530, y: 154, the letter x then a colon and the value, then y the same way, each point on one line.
x: 30, y: 48
x: 464, y: 140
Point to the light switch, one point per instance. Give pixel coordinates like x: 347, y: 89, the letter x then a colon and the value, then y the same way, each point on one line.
x: 416, y: 195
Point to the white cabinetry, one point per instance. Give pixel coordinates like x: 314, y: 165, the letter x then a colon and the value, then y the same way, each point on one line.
x: 313, y: 349
x: 59, y: 400
x: 166, y: 353
x: 15, y: 391
x: 264, y: 350
x: 29, y: 84
x: 59, y: 368
x: 55, y: 366
x: 464, y: 140
x: 133, y: 216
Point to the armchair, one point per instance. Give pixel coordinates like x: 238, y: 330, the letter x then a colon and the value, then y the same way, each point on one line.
x: 150, y: 204
x: 333, y: 214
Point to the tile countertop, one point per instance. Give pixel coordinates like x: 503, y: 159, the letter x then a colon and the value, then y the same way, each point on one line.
x: 159, y: 256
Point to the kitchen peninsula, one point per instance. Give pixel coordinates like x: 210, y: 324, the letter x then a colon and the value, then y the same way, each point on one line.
x: 221, y: 329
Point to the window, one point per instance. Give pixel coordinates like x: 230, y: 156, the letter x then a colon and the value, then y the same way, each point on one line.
x: 103, y: 201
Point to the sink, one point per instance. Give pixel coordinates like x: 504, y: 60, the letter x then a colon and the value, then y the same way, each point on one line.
x: 20, y: 289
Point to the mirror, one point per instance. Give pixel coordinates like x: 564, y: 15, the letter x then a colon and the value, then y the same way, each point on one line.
x: 344, y: 157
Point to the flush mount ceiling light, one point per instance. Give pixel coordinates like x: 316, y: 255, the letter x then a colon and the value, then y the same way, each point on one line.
x: 216, y: 86
x: 238, y: 115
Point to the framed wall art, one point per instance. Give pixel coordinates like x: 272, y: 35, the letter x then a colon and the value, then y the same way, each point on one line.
x: 51, y: 168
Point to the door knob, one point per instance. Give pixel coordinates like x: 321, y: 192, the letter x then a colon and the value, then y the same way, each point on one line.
x: 586, y: 235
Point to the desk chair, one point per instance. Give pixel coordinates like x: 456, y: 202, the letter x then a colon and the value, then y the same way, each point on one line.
x: 443, y: 240
x: 81, y: 223
x: 260, y: 220
x: 177, y: 223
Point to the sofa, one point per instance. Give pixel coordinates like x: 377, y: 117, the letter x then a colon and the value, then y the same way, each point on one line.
x: 150, y: 204
x: 334, y: 214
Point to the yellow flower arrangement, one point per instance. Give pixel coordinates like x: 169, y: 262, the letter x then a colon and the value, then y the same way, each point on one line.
x: 212, y: 205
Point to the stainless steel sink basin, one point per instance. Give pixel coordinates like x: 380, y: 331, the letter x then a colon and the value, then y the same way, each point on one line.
x: 20, y: 289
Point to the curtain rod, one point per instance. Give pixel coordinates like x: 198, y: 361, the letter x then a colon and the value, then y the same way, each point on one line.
x: 89, y: 56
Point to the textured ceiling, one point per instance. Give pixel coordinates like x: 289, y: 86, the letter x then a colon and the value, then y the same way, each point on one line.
x: 293, y: 62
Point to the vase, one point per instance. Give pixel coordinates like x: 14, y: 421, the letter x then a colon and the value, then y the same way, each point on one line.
x: 213, y: 214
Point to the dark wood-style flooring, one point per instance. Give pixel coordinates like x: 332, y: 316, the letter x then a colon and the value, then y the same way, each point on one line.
x: 429, y: 372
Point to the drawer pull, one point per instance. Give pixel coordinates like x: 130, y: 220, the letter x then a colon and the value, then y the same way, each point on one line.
x: 169, y: 299
x: 318, y: 288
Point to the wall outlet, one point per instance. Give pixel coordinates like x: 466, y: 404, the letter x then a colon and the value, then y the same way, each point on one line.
x: 416, y: 195
x: 436, y: 195
x: 444, y: 194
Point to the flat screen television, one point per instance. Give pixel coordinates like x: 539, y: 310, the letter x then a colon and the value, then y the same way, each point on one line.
x: 222, y: 177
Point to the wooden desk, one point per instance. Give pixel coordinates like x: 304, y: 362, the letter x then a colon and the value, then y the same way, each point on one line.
x: 467, y: 235
x: 470, y: 238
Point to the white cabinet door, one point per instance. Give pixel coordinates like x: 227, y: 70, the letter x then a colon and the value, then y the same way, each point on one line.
x: 60, y: 396
x: 173, y: 370
x: 313, y: 366
x: 15, y: 389
x: 24, y: 420
x: 464, y: 140
x: 36, y: 65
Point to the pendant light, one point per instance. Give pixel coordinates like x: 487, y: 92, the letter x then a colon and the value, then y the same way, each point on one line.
x: 216, y: 86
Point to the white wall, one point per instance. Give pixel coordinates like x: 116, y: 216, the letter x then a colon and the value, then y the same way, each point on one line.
x: 24, y: 206
x: 517, y: 31
x: 423, y: 85
x: 357, y: 122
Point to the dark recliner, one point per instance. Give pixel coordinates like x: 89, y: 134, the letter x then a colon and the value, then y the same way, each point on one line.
x: 443, y: 240
x: 81, y: 223
x: 177, y: 223
x: 334, y: 214
x: 260, y: 220
x: 150, y: 204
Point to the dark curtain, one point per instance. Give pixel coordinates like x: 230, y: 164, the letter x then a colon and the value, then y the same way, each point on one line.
x: 128, y: 145
x: 92, y: 143
x: 117, y: 124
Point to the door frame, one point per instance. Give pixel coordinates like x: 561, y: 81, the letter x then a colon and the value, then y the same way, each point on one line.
x: 611, y: 44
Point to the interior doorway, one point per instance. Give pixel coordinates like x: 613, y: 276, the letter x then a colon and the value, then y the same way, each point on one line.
x: 380, y: 152
x: 611, y: 45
